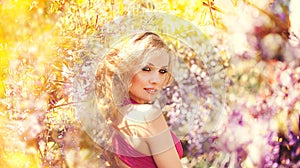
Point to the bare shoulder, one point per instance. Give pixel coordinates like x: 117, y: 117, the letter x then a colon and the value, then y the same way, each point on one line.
x: 146, y: 119
x: 141, y: 113
x: 148, y: 123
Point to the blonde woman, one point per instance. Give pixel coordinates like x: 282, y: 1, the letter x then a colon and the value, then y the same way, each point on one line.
x: 128, y: 85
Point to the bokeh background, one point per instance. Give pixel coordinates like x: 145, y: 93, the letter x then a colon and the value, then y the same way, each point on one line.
x: 254, y: 49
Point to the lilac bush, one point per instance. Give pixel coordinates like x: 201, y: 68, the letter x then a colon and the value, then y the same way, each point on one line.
x: 261, y: 125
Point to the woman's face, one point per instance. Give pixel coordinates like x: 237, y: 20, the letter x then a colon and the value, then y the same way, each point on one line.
x: 148, y: 82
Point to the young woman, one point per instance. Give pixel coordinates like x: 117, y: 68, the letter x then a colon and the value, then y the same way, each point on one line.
x: 128, y: 85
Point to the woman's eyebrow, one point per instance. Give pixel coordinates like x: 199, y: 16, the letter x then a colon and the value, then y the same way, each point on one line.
x: 150, y: 64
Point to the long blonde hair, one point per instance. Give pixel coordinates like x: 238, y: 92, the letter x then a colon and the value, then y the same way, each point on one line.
x: 120, y: 64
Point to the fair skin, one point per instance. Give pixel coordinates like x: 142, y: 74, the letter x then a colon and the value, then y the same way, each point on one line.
x: 146, y: 84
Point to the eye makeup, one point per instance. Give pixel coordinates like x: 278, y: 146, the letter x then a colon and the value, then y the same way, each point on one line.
x: 150, y: 67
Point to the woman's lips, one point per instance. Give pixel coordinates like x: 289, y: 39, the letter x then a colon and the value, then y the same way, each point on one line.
x: 151, y: 91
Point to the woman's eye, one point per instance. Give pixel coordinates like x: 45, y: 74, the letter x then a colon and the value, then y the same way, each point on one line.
x: 146, y: 68
x: 163, y: 71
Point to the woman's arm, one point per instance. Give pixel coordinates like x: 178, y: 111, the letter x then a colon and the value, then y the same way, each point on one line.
x: 161, y: 144
x: 167, y: 159
x: 148, y: 122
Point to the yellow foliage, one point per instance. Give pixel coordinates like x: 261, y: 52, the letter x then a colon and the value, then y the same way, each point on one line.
x: 4, y: 62
x: 19, y: 159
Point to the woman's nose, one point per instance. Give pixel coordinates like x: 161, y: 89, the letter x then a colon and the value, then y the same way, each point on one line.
x: 155, y: 78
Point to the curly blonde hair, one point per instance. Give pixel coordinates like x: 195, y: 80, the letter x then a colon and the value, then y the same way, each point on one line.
x: 120, y: 64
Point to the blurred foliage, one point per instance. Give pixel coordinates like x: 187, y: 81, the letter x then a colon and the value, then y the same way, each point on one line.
x: 42, y: 43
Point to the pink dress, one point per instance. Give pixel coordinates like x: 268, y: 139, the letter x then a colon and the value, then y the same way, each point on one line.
x: 135, y: 159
